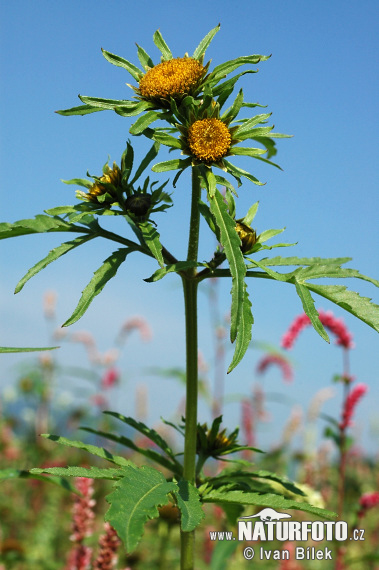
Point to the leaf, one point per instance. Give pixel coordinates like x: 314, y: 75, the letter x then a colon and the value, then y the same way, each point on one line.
x: 172, y: 268
x: 176, y: 468
x: 204, y: 44
x: 211, y: 182
x: 145, y: 430
x: 91, y: 472
x: 121, y: 62
x: 190, y: 505
x: 144, y: 57
x: 360, y: 307
x: 251, y: 213
x: 225, y: 89
x: 161, y: 45
x: 231, y: 243
x: 304, y: 260
x: 250, y: 123
x: 40, y: 224
x: 143, y: 122
x: 174, y: 164
x: 93, y: 449
x: 268, y: 234
x: 151, y: 154
x: 222, y: 553
x: 223, y: 69
x: 22, y: 474
x: 134, y: 501
x: 11, y: 349
x: 79, y: 110
x: 152, y: 240
x: 265, y: 500
x: 246, y: 151
x: 244, y: 331
x: 77, y: 181
x: 309, y: 308
x: 238, y: 172
x: 97, y: 283
x: 106, y: 103
x: 54, y: 254
x: 233, y: 111
x: 167, y: 139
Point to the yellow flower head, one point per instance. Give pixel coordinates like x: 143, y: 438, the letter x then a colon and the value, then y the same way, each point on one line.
x: 209, y: 140
x: 111, y: 176
x: 172, y: 78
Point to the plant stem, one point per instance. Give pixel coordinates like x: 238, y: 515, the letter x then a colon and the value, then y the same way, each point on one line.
x: 190, y: 302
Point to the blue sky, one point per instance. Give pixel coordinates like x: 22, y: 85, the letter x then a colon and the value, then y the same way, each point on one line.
x: 320, y: 84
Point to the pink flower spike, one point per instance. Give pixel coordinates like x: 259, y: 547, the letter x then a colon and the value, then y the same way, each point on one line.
x: 280, y: 361
x: 350, y: 403
x: 369, y: 500
x: 336, y: 326
x: 137, y: 323
x: 110, y: 378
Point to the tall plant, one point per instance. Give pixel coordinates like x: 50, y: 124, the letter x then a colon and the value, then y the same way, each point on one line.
x: 190, y: 99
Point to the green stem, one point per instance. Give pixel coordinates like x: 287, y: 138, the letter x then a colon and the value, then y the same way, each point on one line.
x: 190, y: 283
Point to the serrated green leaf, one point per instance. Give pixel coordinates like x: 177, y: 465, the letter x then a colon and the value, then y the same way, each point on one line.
x: 22, y: 474
x: 161, y: 45
x: 54, y: 254
x: 121, y: 62
x: 89, y: 472
x: 143, y: 122
x: 188, y: 499
x: 232, y: 247
x: 40, y: 224
x: 98, y: 282
x: 265, y: 500
x: 286, y: 261
x: 244, y: 331
x: 152, y: 240
x: 174, y: 164
x: 93, y: 449
x: 79, y: 110
x: 204, y: 44
x: 309, y: 308
x: 146, y: 431
x: 11, y: 349
x: 211, y: 182
x: 360, y: 307
x: 172, y: 268
x: 134, y: 501
x: 248, y: 124
x: 144, y: 57
x: 175, y: 467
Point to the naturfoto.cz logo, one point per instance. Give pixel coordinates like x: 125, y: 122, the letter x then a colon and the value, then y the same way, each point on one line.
x: 271, y: 525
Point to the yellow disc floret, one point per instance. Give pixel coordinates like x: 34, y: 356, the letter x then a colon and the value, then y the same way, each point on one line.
x: 111, y: 176
x: 171, y: 78
x: 209, y: 139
